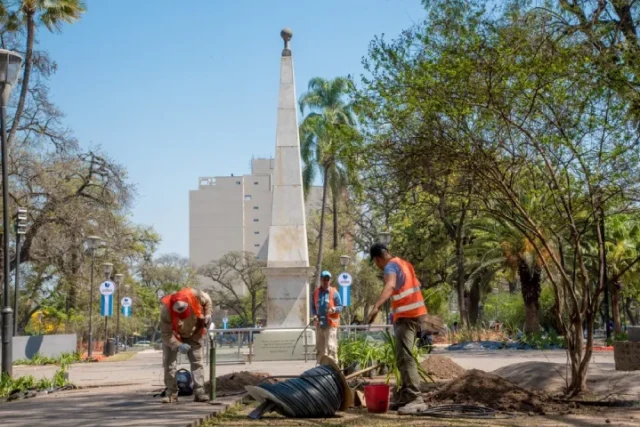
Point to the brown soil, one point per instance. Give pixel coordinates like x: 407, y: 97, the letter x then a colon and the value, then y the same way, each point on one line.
x: 479, y: 387
x: 236, y: 381
x: 442, y: 367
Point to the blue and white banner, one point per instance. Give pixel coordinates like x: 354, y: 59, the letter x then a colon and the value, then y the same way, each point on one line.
x: 106, y: 305
x: 125, y: 306
x: 225, y: 323
x: 106, y: 298
x: 345, y: 295
x: 345, y: 281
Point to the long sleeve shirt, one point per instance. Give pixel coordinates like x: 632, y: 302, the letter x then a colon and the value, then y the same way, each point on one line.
x: 323, y: 305
x: 188, y: 327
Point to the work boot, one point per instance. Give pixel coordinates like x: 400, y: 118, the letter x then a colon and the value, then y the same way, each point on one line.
x: 170, y: 398
x: 200, y: 396
x: 412, y: 407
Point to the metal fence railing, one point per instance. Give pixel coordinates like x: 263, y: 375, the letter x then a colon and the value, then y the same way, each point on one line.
x: 236, y: 345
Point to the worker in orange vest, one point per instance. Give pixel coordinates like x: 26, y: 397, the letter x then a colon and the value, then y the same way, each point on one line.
x: 326, y: 309
x: 408, y: 310
x: 184, y: 319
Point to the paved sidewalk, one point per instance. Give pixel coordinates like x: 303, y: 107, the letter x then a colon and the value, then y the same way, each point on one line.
x: 108, y: 407
x: 145, y: 368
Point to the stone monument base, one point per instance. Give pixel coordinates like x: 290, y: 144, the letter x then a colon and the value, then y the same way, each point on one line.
x: 279, y: 344
x: 626, y: 354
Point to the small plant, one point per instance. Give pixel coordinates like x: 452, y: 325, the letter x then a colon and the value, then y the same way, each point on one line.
x: 541, y: 341
x: 622, y: 336
x: 38, y: 359
x: 9, y: 385
x: 358, y: 353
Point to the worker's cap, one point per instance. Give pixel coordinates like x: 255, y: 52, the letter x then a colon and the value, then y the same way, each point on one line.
x: 325, y: 274
x: 377, y: 250
x: 180, y: 306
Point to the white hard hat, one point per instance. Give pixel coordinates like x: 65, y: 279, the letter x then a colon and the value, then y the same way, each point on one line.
x: 180, y: 306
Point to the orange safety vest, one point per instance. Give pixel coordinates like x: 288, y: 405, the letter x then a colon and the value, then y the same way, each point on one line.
x: 333, y: 319
x: 194, y: 305
x: 407, y: 302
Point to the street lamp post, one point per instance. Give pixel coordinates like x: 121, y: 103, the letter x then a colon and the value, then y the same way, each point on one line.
x: 10, y: 63
x: 92, y: 245
x: 21, y: 229
x: 108, y: 267
x: 384, y: 237
x: 118, y: 279
x: 344, y: 261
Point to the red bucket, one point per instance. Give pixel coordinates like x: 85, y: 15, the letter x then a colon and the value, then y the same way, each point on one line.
x: 377, y: 398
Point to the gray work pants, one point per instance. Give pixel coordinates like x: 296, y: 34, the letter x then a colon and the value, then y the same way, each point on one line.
x: 405, y: 333
x: 169, y: 363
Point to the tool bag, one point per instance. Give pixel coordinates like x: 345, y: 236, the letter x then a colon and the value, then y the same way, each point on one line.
x: 185, y: 382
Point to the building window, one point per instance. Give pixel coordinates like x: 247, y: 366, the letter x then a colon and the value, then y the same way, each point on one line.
x: 255, y: 208
x: 256, y: 232
x: 247, y: 197
x: 255, y: 220
x: 238, y: 182
x: 257, y: 245
x: 255, y: 183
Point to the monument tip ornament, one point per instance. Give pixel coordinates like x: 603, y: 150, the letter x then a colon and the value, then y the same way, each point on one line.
x: 286, y: 35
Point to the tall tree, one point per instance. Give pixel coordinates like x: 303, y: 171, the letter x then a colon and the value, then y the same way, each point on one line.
x: 327, y: 137
x: 52, y: 14
x: 234, y: 274
x: 326, y: 98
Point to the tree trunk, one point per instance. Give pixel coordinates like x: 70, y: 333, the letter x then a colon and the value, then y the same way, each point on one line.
x: 335, y: 219
x: 460, y: 280
x: 28, y: 62
x: 474, y: 302
x: 321, y: 237
x: 615, y: 307
x: 530, y: 287
x: 630, y: 314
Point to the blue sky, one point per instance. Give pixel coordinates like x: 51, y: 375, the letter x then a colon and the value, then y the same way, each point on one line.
x: 174, y: 90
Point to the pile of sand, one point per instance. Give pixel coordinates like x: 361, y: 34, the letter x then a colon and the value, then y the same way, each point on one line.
x: 441, y: 367
x: 235, y: 382
x: 481, y: 388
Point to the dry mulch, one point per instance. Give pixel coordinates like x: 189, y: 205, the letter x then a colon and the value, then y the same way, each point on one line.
x: 442, y: 367
x: 481, y: 388
x: 235, y: 382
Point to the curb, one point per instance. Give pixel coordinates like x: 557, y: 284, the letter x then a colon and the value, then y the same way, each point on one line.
x: 220, y: 408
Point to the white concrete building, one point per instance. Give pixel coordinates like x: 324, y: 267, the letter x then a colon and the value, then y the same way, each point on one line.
x: 233, y: 213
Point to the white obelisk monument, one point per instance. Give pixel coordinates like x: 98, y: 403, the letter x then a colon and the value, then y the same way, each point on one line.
x: 287, y: 268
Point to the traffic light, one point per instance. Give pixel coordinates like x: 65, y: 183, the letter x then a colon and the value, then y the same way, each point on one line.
x: 21, y: 221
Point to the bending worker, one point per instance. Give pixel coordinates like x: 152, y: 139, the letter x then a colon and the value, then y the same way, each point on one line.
x: 184, y: 319
x: 409, y: 310
x: 326, y: 310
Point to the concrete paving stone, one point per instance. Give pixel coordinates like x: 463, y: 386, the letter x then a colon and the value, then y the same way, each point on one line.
x: 107, y: 407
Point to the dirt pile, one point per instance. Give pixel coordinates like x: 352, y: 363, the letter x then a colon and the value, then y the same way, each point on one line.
x: 479, y: 387
x: 441, y: 367
x: 236, y: 381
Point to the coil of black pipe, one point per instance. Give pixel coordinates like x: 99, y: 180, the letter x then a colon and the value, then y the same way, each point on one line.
x: 317, y: 393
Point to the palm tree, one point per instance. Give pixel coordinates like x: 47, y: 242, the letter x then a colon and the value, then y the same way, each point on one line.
x: 518, y: 256
x: 326, y: 98
x: 52, y: 14
x: 326, y: 134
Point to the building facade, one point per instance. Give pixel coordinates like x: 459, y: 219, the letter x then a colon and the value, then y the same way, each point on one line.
x: 233, y: 214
